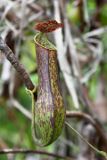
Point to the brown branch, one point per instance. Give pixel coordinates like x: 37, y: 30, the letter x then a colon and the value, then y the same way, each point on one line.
x: 16, y: 64
x: 27, y: 151
x: 81, y: 115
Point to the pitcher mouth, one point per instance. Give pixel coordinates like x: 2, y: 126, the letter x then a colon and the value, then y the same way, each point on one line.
x: 42, y: 40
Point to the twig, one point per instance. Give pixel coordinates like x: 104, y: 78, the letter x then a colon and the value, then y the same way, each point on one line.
x: 99, y: 129
x: 62, y: 57
x: 73, y: 50
x: 98, y: 51
x: 69, y: 114
x: 35, y: 16
x: 19, y: 67
x: 18, y: 106
x: 100, y: 152
x: 27, y: 151
x: 95, y: 32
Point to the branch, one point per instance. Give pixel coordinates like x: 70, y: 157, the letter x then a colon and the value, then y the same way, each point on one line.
x: 96, y: 32
x: 27, y: 151
x: 81, y: 115
x: 19, y: 67
x: 21, y: 108
x: 61, y: 49
x: 69, y: 114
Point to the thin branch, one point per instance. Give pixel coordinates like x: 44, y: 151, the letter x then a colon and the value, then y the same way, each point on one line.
x: 81, y: 115
x: 19, y: 67
x: 100, y: 152
x: 28, y: 151
x: 61, y: 48
x: 73, y: 50
x: 69, y: 114
x: 95, y: 32
x: 22, y: 109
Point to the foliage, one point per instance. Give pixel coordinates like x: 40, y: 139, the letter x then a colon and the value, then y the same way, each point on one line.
x: 85, y: 63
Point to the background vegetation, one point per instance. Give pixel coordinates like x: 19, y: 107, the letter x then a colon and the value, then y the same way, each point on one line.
x: 82, y: 57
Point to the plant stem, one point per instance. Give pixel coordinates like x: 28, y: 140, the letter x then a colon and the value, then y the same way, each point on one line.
x: 29, y: 151
x: 102, y: 153
x: 16, y: 64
